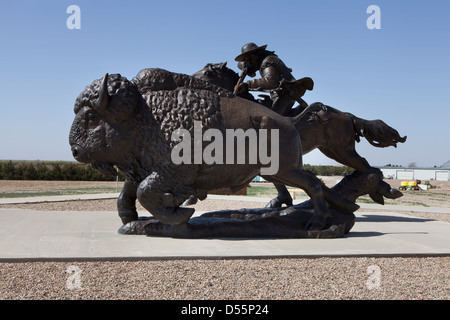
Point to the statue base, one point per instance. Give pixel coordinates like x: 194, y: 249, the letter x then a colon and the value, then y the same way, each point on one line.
x: 285, y: 222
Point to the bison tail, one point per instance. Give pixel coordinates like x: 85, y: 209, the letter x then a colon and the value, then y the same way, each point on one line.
x: 378, y: 133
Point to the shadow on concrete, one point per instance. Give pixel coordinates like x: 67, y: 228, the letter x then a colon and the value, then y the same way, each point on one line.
x: 387, y: 218
x: 368, y: 234
x: 363, y: 234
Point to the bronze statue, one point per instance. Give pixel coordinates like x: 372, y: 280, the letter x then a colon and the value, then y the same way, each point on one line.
x: 137, y: 125
x: 333, y: 132
x: 129, y: 124
x: 276, y: 78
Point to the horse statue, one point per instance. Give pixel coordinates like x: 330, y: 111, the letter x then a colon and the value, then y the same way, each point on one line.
x: 333, y: 132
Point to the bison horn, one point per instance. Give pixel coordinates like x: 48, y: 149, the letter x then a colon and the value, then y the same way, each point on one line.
x: 103, y: 95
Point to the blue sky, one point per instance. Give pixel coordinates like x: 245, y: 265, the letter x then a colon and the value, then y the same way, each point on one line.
x: 399, y: 73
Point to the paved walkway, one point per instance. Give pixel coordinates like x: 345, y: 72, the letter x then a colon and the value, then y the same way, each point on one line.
x: 212, y: 197
x: 47, y: 235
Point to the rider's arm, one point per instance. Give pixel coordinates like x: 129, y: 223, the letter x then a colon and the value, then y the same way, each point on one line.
x: 269, y: 80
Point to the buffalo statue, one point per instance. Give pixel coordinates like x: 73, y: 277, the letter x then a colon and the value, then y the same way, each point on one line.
x: 131, y: 124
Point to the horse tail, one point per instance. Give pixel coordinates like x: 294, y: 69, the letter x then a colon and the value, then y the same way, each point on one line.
x: 314, y: 107
x: 378, y: 133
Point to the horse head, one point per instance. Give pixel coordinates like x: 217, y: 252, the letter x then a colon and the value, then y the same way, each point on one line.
x: 218, y: 74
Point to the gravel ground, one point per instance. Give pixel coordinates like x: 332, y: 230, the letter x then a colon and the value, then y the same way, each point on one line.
x: 370, y: 278
x: 260, y: 279
x: 266, y: 279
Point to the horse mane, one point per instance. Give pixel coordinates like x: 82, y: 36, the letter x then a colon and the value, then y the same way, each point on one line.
x: 223, y: 66
x: 218, y: 74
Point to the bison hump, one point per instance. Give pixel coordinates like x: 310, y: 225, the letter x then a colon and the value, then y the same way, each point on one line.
x: 179, y: 108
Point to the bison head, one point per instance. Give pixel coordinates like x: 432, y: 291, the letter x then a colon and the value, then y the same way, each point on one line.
x: 101, y: 131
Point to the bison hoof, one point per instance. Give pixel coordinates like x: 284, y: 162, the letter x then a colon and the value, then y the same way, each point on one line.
x: 135, y: 227
x: 185, y: 212
x: 177, y: 215
x: 128, y: 216
x: 129, y: 228
x: 192, y: 200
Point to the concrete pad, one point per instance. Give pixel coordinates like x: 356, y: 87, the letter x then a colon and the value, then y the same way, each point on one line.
x: 73, y: 197
x: 47, y: 235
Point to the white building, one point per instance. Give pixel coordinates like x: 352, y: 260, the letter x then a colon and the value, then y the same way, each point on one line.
x: 439, y: 174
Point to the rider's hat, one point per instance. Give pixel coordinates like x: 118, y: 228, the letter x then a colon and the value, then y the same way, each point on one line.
x: 249, y: 49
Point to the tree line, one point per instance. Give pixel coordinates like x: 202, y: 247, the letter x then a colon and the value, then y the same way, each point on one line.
x: 51, y: 170
x: 328, y: 170
x: 73, y: 171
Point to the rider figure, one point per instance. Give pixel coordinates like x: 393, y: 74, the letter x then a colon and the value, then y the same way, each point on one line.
x: 273, y: 73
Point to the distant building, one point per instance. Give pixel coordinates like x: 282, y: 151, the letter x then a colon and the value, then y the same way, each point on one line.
x: 441, y: 173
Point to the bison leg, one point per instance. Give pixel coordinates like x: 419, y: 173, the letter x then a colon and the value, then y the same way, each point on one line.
x: 282, y: 197
x: 126, y: 203
x: 163, y: 206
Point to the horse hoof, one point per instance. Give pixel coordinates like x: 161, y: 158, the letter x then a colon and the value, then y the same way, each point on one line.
x: 395, y: 193
x: 377, y: 197
x: 274, y: 203
x: 277, y: 203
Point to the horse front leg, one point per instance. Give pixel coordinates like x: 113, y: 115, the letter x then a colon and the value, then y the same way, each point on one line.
x: 283, y: 197
x: 348, y: 156
x: 384, y: 189
x: 311, y: 185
